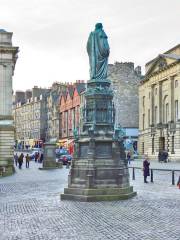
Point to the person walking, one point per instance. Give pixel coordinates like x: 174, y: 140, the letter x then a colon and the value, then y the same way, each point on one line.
x: 165, y: 156
x: 41, y: 158
x: 20, y: 160
x: 36, y: 157
x: 178, y: 183
x: 16, y: 159
x: 129, y: 157
x: 27, y: 160
x: 160, y: 156
x: 146, y: 164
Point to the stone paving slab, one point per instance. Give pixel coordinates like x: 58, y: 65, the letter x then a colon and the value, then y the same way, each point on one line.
x: 31, y: 209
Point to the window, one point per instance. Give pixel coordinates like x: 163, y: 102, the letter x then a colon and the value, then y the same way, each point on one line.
x: 176, y: 83
x: 143, y: 101
x: 156, y: 91
x: 143, y: 124
x: 153, y: 145
x: 142, y: 147
x: 166, y: 113
x: 155, y: 115
x: 176, y: 110
x: 148, y: 117
x: 172, y: 149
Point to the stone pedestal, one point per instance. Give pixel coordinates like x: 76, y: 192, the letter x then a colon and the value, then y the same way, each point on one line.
x: 49, y: 161
x: 99, y: 172
x: 8, y: 56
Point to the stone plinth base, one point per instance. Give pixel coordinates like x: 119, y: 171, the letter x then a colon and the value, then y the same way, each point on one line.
x: 6, y: 150
x: 94, y: 195
x: 50, y: 166
x: 50, y: 157
x: 98, y: 172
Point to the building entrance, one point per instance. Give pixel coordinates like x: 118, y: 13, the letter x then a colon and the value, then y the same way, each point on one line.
x: 161, y: 143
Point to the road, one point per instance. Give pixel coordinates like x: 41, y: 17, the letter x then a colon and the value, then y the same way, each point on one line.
x: 31, y: 209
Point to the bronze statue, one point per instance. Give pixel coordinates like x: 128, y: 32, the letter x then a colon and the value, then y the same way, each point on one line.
x: 98, y: 51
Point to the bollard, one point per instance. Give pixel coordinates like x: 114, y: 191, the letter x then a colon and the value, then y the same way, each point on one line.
x: 133, y: 174
x: 152, y: 175
x: 173, y: 182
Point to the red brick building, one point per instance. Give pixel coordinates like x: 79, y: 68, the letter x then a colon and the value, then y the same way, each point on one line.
x: 70, y: 113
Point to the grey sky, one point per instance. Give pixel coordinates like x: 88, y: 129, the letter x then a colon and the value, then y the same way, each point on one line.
x: 52, y: 34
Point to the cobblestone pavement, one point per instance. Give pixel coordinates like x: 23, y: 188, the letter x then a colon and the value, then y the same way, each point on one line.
x: 30, y: 208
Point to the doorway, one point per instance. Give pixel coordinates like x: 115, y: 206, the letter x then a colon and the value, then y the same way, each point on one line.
x: 161, y: 143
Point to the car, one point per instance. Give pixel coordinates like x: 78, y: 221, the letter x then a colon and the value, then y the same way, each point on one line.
x: 61, y: 151
x: 65, y: 159
x: 35, y: 151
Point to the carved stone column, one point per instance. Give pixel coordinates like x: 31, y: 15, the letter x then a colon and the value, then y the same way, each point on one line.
x: 171, y: 98
x: 8, y: 56
x: 152, y: 105
x: 160, y: 102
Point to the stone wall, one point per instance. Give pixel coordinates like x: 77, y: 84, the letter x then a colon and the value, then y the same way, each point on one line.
x: 6, y: 150
x: 125, y: 80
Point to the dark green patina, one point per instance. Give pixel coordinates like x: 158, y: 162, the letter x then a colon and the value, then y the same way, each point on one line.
x: 99, y: 170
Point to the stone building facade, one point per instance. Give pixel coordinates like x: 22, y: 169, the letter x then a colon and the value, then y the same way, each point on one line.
x: 70, y: 111
x: 53, y: 111
x: 30, y: 118
x: 159, y: 103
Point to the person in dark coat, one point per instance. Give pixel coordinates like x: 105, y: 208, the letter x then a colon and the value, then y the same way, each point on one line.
x: 146, y: 164
x: 160, y: 156
x: 36, y: 157
x: 20, y: 160
x: 165, y: 156
x: 41, y: 158
x: 16, y: 159
x: 178, y: 183
x: 27, y: 160
x: 129, y: 157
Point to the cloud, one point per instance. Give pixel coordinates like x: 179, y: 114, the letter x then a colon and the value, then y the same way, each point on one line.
x: 52, y: 34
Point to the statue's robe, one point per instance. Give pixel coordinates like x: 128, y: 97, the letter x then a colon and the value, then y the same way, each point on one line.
x: 98, y: 51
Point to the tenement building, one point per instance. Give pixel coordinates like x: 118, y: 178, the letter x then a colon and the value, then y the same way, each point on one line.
x: 30, y: 117
x: 159, y: 102
x: 53, y: 111
x: 70, y: 101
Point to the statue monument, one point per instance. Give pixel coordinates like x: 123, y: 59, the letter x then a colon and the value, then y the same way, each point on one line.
x: 99, y: 169
x: 8, y: 57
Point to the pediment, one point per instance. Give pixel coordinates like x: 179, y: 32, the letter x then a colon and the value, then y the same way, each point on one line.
x: 161, y: 62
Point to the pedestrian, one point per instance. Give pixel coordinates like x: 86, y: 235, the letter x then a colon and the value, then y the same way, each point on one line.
x: 27, y: 160
x: 160, y: 156
x: 36, y: 156
x: 178, y: 183
x: 146, y: 164
x: 20, y: 160
x: 129, y: 157
x: 41, y: 158
x: 165, y: 156
x: 16, y: 159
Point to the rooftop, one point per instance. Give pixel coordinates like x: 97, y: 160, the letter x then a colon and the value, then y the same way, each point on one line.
x: 2, y: 30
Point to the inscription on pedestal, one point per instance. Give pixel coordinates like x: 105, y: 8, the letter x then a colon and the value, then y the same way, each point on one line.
x: 50, y: 153
x: 84, y: 150
x: 104, y: 149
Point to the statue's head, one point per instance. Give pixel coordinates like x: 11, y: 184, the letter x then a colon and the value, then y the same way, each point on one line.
x: 98, y: 26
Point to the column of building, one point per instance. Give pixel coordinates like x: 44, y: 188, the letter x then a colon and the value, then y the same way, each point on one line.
x: 8, y: 56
